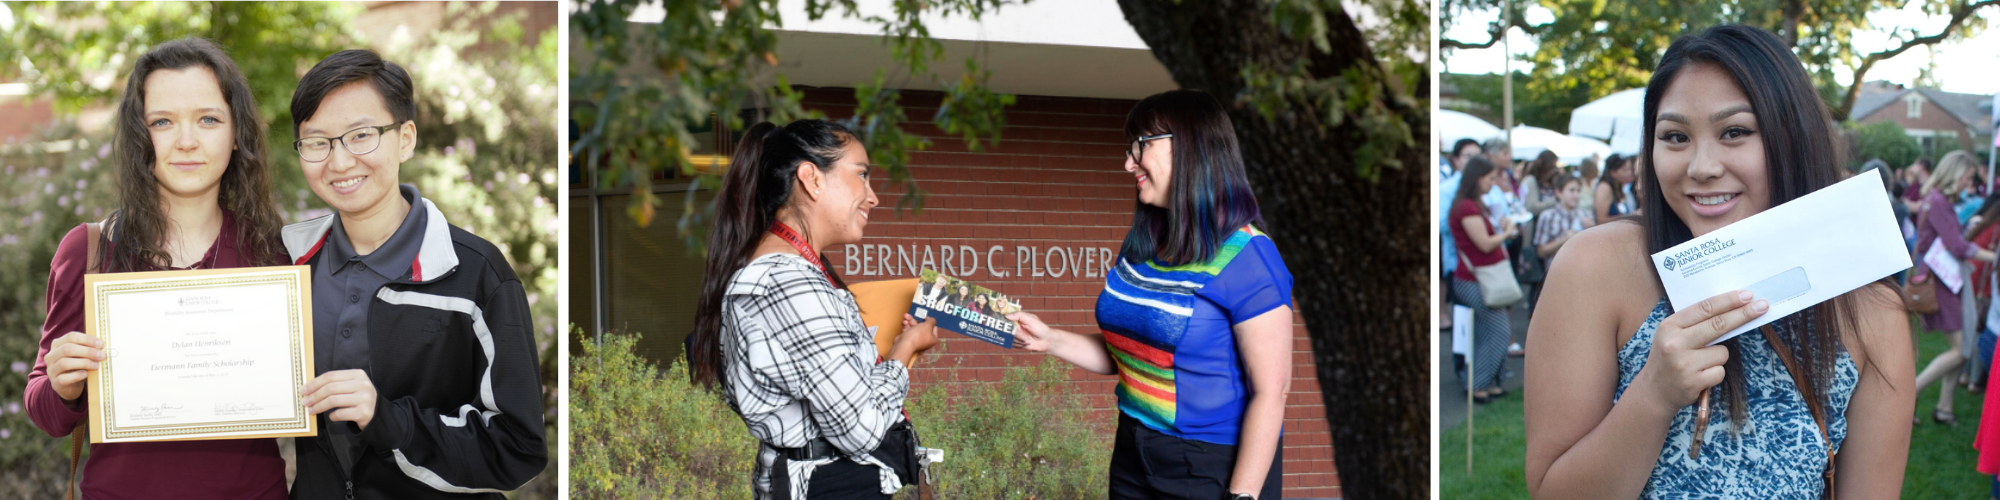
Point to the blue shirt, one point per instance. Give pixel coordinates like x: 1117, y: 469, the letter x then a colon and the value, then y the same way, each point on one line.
x: 1170, y: 330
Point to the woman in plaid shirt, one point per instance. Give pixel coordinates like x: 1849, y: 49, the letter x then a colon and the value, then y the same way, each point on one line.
x: 780, y: 333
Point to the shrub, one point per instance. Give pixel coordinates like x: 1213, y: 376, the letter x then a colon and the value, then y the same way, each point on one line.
x: 1025, y: 437
x: 1886, y: 141
x: 640, y: 432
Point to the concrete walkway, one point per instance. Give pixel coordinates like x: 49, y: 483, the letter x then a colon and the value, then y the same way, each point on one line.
x: 1451, y: 388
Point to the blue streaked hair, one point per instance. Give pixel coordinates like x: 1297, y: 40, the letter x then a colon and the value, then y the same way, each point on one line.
x: 1208, y: 196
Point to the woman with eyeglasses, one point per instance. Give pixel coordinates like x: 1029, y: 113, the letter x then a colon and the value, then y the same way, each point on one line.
x: 428, y: 380
x: 1196, y: 319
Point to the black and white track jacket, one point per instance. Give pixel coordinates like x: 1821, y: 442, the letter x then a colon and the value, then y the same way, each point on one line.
x: 452, y: 356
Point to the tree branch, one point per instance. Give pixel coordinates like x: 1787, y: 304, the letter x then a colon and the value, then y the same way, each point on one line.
x: 1494, y: 32
x: 1492, y: 37
x: 1958, y: 17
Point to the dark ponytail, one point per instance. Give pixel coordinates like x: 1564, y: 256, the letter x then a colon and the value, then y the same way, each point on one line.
x: 757, y: 185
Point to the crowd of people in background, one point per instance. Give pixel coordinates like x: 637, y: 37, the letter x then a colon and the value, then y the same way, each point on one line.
x: 1497, y: 209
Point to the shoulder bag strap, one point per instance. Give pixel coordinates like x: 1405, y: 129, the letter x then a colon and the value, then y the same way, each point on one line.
x: 1811, y: 395
x: 93, y: 232
x: 1917, y: 259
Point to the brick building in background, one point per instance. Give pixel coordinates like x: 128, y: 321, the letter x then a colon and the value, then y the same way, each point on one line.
x: 1037, y: 218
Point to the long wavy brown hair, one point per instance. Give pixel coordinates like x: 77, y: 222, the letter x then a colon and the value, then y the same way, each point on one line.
x: 140, y: 223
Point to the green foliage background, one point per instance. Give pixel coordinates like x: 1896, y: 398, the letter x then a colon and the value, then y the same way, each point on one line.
x: 1886, y: 141
x: 1593, y: 48
x: 487, y: 154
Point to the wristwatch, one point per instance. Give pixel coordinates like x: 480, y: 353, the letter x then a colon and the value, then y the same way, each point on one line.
x: 1241, y: 496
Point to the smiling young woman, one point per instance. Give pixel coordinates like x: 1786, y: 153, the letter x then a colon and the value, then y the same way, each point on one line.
x: 194, y: 193
x: 1615, y: 376
x: 780, y: 333
x: 1196, y: 320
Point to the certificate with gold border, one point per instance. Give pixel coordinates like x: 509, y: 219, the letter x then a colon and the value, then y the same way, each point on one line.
x: 203, y: 354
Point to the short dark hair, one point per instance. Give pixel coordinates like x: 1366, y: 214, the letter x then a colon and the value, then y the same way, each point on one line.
x: 349, y: 66
x: 1461, y: 145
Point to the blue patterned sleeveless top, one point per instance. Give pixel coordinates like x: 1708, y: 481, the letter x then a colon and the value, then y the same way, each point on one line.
x: 1776, y: 454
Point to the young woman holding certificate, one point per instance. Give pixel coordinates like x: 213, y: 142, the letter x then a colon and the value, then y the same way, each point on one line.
x: 194, y: 193
x: 779, y: 332
x: 1196, y: 321
x: 1625, y: 399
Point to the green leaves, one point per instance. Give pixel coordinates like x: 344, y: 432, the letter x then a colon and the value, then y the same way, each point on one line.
x: 970, y: 110
x: 1295, y: 95
x: 878, y: 119
x: 640, y: 89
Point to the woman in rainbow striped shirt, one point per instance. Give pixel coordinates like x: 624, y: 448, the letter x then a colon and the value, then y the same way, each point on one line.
x: 1196, y: 320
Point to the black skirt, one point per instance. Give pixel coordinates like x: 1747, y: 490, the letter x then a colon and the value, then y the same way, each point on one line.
x: 1148, y: 464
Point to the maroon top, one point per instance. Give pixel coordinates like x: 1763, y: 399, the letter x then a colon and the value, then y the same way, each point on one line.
x: 1459, y: 211
x: 219, y: 469
x: 1940, y: 223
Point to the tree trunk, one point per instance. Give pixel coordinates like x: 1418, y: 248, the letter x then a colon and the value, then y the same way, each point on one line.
x: 1794, y: 9
x: 1358, y: 249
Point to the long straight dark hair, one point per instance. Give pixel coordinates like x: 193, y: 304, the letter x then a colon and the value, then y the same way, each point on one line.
x: 1613, y: 164
x: 1468, y: 181
x: 759, y: 184
x: 1799, y: 158
x: 140, y: 224
x: 1208, y: 195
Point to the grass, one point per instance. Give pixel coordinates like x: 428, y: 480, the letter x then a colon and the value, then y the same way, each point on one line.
x: 1941, y: 463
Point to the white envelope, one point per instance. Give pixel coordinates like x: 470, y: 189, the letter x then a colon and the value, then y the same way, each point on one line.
x: 1943, y: 266
x: 1794, y: 255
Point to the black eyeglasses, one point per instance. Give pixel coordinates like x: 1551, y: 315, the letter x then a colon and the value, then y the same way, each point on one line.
x: 359, y: 141
x: 1138, y: 148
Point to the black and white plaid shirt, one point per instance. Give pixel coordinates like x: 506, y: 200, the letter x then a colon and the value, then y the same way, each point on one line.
x: 799, y: 364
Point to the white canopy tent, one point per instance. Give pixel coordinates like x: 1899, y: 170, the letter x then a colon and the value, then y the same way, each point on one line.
x: 1593, y: 146
x: 1453, y: 125
x: 1617, y: 119
x: 1530, y: 142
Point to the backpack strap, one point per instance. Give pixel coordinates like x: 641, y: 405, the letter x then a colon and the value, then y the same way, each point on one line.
x: 93, y: 232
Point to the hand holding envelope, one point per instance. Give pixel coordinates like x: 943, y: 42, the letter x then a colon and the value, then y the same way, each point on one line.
x: 1794, y: 255
x: 1685, y: 360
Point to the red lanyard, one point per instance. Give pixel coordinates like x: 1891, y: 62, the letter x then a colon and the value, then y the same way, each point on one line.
x: 790, y: 236
x: 798, y: 242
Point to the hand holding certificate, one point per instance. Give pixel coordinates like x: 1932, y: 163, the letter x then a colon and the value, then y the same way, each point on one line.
x: 209, y: 354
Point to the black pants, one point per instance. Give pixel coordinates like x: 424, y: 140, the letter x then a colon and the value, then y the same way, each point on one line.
x: 1146, y: 464
x: 844, y: 480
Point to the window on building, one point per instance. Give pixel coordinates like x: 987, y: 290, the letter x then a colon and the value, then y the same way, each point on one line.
x: 1914, y: 104
x: 573, y: 173
x: 629, y: 279
x: 579, y: 293
x: 652, y: 280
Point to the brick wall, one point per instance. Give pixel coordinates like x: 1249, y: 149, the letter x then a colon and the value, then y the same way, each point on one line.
x: 1039, y: 216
